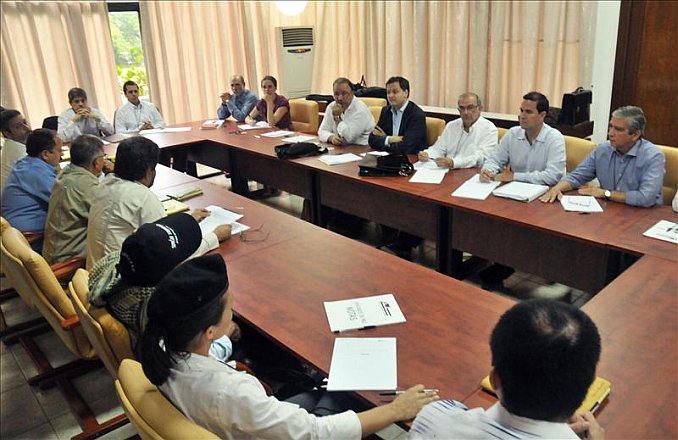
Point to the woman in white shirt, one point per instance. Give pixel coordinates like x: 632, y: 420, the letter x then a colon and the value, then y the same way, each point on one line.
x: 192, y: 307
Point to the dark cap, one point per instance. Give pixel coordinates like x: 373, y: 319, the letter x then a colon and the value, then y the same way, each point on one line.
x: 156, y: 248
x: 192, y: 286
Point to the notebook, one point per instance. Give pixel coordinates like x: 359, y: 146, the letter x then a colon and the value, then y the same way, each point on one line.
x: 186, y: 194
x: 598, y: 391
x: 521, y: 191
x: 174, y: 206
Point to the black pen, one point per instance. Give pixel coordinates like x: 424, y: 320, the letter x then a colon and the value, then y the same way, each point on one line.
x: 398, y: 392
x: 367, y: 327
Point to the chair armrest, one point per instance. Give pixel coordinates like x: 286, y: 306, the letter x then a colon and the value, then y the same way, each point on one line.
x: 64, y: 271
x: 69, y: 323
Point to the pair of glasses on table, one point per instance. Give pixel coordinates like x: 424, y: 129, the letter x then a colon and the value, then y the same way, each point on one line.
x: 254, y: 234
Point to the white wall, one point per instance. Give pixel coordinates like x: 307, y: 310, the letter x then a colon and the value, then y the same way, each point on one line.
x: 607, y: 23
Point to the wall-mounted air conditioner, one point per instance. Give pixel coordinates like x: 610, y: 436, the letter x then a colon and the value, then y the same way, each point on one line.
x: 296, y: 49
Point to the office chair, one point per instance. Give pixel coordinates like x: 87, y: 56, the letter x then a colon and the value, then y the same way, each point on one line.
x: 373, y: 102
x: 576, y: 150
x: 304, y: 115
x: 434, y: 128
x: 671, y: 176
x: 376, y: 112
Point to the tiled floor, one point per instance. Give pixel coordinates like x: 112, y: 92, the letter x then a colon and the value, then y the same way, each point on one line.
x: 30, y: 413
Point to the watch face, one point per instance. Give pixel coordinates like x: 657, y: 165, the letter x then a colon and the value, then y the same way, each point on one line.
x: 607, y: 194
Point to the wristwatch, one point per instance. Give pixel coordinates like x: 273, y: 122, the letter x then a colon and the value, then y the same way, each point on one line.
x: 608, y: 194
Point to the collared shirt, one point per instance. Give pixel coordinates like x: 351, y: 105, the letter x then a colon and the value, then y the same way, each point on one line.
x: 66, y: 227
x: 638, y: 173
x: 397, y: 119
x: 69, y: 129
x: 26, y: 194
x: 239, y: 106
x: 449, y: 419
x: 120, y: 206
x: 280, y: 101
x: 466, y: 149
x: 233, y: 404
x: 130, y: 118
x: 543, y: 162
x: 355, y: 125
x: 11, y: 152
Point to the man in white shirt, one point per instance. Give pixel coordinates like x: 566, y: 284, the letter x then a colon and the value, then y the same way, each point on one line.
x: 15, y: 130
x: 532, y: 152
x: 544, y: 357
x: 81, y: 118
x: 347, y: 120
x: 467, y: 141
x: 135, y: 115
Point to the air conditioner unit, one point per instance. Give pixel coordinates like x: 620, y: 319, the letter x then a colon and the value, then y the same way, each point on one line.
x: 296, y: 48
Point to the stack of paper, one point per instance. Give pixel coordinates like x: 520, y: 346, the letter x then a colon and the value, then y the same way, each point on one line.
x: 427, y: 175
x: 363, y: 364
x: 212, y: 124
x: 186, y: 194
x: 220, y: 216
x: 174, y: 206
x: 427, y: 165
x: 337, y: 159
x: 580, y: 204
x: 521, y: 191
x: 664, y: 230
x: 375, y: 153
x: 362, y: 313
x: 473, y: 188
x: 299, y: 138
x: 278, y: 133
x: 256, y: 126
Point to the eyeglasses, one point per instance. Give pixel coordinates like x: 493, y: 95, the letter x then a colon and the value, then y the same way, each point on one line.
x: 254, y: 234
x: 469, y: 108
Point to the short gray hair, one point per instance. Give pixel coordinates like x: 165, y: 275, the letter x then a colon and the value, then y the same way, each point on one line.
x: 635, y: 117
x: 85, y: 149
x: 470, y: 95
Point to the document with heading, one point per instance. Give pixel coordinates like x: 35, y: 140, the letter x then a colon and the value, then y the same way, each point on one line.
x: 580, y: 204
x: 337, y: 159
x: 426, y: 175
x: 220, y: 216
x: 473, y: 188
x: 521, y: 191
x: 362, y: 313
x: 360, y: 364
x: 664, y: 230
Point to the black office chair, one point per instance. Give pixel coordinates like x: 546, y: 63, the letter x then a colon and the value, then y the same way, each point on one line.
x: 51, y: 122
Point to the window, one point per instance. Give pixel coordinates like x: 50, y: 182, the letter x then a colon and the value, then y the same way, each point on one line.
x: 126, y: 36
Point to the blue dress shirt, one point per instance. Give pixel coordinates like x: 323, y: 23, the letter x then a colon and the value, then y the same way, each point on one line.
x: 239, y: 106
x: 26, y: 194
x: 638, y: 173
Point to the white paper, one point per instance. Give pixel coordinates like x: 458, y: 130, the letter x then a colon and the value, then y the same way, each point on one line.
x: 664, y: 230
x: 521, y: 191
x: 165, y: 130
x: 426, y: 175
x: 256, y: 126
x: 212, y: 124
x: 363, y: 364
x: 299, y: 138
x: 580, y: 204
x: 375, y: 153
x: 427, y: 165
x: 277, y: 134
x: 473, y: 188
x: 337, y: 159
x: 359, y: 313
x: 220, y: 216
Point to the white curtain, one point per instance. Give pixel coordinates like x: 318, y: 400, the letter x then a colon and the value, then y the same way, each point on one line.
x: 50, y: 47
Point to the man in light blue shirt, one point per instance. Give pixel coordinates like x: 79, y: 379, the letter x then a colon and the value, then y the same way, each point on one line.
x: 630, y: 169
x: 532, y: 152
x: 239, y: 104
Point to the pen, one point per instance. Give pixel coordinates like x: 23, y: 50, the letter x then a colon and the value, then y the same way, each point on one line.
x: 367, y: 327
x: 398, y: 392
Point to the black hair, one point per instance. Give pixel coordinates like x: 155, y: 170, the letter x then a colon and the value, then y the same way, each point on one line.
x: 545, y: 354
x: 39, y: 140
x: 128, y: 83
x: 6, y: 116
x: 85, y: 149
x: 270, y: 78
x: 402, y: 82
x: 540, y: 99
x: 76, y: 92
x: 135, y: 156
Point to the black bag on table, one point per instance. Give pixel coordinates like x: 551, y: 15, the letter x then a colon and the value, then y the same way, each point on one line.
x: 395, y: 164
x: 299, y: 149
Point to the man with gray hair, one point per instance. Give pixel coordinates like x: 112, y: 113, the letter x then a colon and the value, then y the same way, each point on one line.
x: 71, y: 198
x: 630, y: 169
x: 466, y: 142
x: 240, y: 103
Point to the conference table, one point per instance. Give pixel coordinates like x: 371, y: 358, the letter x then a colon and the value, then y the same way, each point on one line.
x: 300, y: 265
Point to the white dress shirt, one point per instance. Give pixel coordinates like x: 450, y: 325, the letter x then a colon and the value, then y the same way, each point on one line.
x: 234, y: 405
x: 11, y: 152
x: 466, y: 149
x: 70, y: 129
x: 130, y: 118
x: 355, y: 125
x: 543, y: 162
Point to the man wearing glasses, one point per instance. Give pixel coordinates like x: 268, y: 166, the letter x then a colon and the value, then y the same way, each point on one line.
x: 238, y: 104
x: 466, y: 142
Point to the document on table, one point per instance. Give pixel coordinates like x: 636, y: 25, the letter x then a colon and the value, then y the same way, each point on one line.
x: 220, y: 216
x: 277, y: 134
x: 165, y: 130
x: 375, y: 153
x: 360, y: 364
x: 336, y: 159
x: 362, y: 313
x: 664, y: 230
x: 258, y: 125
x: 473, y: 188
x: 427, y: 165
x: 426, y: 175
x: 521, y: 191
x: 580, y: 204
x: 298, y: 138
x: 212, y: 124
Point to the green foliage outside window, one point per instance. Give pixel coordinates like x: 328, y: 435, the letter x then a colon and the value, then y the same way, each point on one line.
x: 129, y: 55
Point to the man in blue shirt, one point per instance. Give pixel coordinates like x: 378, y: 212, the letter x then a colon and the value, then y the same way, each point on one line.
x: 29, y: 185
x: 630, y: 169
x: 239, y: 104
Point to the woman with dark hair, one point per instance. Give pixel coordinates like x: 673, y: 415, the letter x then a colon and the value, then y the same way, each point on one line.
x: 192, y: 307
x: 271, y: 108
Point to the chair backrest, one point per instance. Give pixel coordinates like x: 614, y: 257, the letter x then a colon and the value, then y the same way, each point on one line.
x: 304, y: 115
x: 576, y: 150
x: 51, y: 122
x: 108, y: 336
x: 376, y: 112
x: 434, y: 128
x: 373, y: 102
x: 501, y: 131
x: 37, y: 285
x: 671, y: 176
x: 150, y: 412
